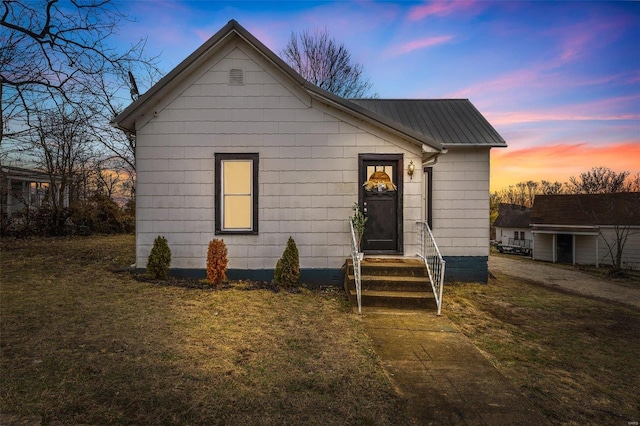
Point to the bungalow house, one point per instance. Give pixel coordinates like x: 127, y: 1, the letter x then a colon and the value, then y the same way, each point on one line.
x: 512, y: 227
x: 234, y: 144
x: 586, y: 228
x: 22, y: 188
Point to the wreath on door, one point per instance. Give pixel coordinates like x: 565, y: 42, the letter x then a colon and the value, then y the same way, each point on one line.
x: 379, y: 181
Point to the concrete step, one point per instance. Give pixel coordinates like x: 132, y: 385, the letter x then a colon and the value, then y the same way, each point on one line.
x: 395, y: 299
x: 390, y: 267
x: 393, y: 283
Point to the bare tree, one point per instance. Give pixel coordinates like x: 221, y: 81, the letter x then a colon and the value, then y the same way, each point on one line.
x: 520, y: 194
x: 61, y: 146
x: 633, y: 183
x: 56, y: 53
x: 548, y: 188
x: 598, y: 180
x: 619, y: 211
x: 326, y: 63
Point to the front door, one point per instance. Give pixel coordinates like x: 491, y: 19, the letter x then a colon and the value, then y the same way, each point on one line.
x: 380, y: 196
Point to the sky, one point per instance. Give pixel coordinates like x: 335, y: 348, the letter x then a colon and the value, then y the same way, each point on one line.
x: 560, y: 81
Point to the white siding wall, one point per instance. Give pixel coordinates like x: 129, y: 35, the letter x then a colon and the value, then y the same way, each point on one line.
x: 307, y: 175
x: 543, y: 247
x: 631, y: 252
x: 586, y: 245
x: 585, y: 249
x: 461, y: 202
x: 503, y: 234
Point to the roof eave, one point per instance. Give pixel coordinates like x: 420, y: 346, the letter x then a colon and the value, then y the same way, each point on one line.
x: 475, y: 145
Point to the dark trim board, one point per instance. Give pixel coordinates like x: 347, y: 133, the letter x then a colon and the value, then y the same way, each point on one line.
x: 466, y: 269
x: 219, y: 157
x: 325, y: 276
x: 428, y: 175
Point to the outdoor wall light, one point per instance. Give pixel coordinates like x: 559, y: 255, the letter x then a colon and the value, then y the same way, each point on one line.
x: 410, y: 169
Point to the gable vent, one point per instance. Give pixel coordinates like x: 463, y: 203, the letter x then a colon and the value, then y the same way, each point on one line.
x: 236, y: 77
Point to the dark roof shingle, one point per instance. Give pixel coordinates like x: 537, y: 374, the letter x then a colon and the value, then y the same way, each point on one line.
x: 512, y: 216
x: 587, y: 209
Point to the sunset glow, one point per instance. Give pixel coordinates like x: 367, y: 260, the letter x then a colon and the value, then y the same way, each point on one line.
x: 560, y: 81
x: 559, y: 162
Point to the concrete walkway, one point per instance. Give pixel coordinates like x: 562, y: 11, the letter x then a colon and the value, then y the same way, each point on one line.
x: 445, y: 379
x: 567, y: 279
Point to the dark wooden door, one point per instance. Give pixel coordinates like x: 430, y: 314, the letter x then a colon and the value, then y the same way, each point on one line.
x: 564, y: 244
x: 381, y: 200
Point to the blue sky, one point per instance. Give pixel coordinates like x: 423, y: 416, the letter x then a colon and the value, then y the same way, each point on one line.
x: 560, y: 81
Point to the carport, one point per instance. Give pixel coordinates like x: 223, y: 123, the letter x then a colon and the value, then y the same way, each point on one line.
x: 566, y: 244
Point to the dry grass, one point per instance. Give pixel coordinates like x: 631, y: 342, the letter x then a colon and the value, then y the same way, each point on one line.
x: 84, y: 345
x: 574, y: 357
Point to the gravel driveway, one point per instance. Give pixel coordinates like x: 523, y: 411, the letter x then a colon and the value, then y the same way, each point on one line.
x: 566, y: 279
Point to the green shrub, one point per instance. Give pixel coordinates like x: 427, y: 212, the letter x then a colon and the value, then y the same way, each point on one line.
x: 217, y: 262
x: 159, y: 259
x: 287, y: 270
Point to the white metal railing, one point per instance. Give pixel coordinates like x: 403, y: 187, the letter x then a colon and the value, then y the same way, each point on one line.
x: 433, y: 260
x: 520, y: 243
x: 356, y: 267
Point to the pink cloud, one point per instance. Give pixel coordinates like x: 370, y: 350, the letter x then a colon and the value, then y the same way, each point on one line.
x: 571, y: 44
x: 599, y: 110
x: 422, y: 43
x: 438, y: 8
x: 575, y: 46
x: 580, y: 39
x: 504, y: 82
x: 512, y: 86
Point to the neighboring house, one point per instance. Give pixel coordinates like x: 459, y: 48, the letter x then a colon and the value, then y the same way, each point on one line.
x: 21, y: 187
x: 512, y: 226
x: 581, y: 229
x: 234, y: 144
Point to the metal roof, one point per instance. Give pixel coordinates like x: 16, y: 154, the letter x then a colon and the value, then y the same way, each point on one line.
x: 452, y: 122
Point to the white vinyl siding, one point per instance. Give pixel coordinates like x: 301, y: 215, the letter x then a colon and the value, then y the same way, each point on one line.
x: 461, y: 202
x: 308, y: 172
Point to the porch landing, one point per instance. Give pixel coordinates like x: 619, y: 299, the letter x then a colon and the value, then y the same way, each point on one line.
x: 400, y: 283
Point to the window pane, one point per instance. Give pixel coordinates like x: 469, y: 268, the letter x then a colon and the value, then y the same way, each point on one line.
x: 237, y: 177
x: 237, y: 212
x: 236, y: 193
x: 388, y: 169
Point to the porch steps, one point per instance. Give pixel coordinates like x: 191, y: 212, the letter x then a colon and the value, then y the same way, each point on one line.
x: 391, y: 283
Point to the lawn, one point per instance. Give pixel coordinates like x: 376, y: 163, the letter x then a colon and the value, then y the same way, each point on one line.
x: 84, y: 345
x: 81, y: 344
x: 576, y: 358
